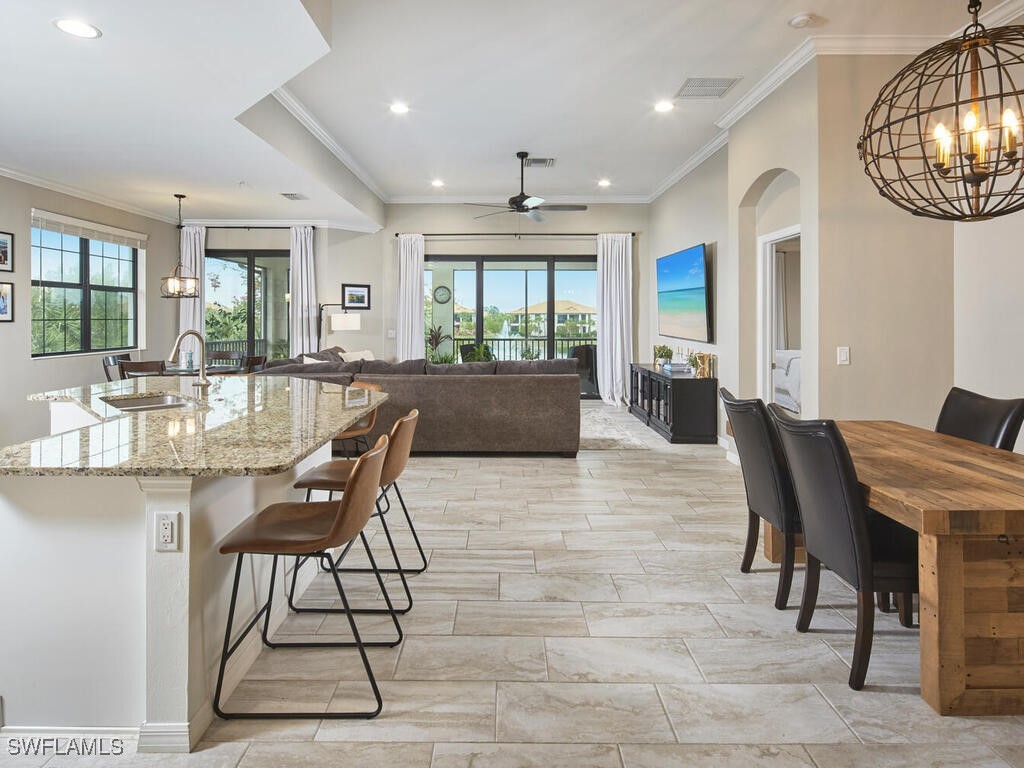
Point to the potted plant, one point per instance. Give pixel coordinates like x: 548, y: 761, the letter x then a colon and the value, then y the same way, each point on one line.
x: 435, y: 338
x: 662, y: 354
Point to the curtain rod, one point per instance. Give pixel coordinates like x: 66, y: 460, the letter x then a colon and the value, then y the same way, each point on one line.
x: 513, y: 234
x: 242, y: 226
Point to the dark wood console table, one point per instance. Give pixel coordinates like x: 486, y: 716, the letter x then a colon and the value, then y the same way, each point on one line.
x: 678, y: 406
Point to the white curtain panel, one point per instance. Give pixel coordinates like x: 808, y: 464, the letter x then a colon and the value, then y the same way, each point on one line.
x: 614, y: 316
x: 192, y: 312
x: 303, y: 307
x: 410, y: 297
x: 781, y: 303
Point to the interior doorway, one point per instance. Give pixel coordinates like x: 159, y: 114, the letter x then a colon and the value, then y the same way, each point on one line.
x: 779, y: 379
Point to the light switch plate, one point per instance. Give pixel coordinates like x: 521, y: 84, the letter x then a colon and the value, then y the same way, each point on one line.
x: 842, y: 355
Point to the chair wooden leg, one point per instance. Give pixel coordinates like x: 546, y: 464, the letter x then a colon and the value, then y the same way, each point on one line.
x: 786, y: 571
x: 905, y: 607
x: 884, y: 602
x: 862, y: 644
x: 753, y: 524
x: 812, y: 576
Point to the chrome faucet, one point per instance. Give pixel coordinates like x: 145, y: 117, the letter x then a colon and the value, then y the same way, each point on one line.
x: 202, y: 381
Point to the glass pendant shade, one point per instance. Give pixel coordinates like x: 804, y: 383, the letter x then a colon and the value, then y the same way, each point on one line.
x: 180, y: 284
x: 943, y: 138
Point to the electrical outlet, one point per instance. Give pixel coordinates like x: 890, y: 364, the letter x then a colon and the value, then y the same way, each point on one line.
x: 842, y: 355
x: 167, y: 530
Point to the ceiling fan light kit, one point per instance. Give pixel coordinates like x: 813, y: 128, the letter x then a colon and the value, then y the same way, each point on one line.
x: 526, y: 204
x: 943, y: 138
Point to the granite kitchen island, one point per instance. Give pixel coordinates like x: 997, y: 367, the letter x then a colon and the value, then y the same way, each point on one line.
x: 108, y: 627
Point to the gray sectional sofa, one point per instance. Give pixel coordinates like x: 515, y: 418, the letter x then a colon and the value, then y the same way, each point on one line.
x: 527, y: 406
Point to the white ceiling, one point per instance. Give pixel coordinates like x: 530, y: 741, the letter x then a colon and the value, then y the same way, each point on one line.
x: 150, y: 108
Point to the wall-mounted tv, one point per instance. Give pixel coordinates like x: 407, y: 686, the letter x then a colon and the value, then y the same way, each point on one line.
x: 685, y: 295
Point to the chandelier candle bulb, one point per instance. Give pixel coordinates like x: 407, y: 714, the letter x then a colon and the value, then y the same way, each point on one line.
x: 1010, y: 125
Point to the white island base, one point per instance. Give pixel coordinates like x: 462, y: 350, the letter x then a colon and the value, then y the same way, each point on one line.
x: 103, y: 634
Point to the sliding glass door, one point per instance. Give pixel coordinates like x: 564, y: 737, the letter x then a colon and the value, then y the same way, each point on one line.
x: 523, y: 308
x: 247, y: 302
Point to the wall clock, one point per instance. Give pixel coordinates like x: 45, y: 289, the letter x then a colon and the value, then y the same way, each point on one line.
x: 442, y: 294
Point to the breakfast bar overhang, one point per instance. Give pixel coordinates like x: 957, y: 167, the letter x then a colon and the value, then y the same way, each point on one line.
x: 113, y: 620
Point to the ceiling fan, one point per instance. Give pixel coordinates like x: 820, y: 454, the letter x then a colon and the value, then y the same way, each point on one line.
x: 525, y: 204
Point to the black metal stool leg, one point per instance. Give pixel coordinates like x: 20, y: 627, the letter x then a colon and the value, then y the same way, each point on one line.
x: 412, y: 528
x: 378, y: 571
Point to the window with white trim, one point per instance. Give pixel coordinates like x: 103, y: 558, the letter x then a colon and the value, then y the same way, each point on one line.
x: 85, y: 286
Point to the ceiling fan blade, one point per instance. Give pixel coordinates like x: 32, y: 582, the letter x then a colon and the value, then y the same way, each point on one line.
x: 532, y: 202
x: 535, y: 215
x: 561, y: 208
x: 486, y: 205
x: 495, y: 213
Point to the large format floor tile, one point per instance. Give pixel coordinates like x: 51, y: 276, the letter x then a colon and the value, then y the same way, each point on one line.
x: 590, y: 613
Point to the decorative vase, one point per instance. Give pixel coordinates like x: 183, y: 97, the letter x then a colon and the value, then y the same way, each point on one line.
x: 660, y: 361
x: 703, y: 367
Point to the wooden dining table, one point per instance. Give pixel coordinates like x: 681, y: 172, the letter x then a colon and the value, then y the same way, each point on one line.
x: 966, y: 502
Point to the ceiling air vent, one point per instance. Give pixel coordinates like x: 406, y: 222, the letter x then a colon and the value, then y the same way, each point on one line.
x: 540, y: 162
x: 706, y: 87
x: 294, y: 196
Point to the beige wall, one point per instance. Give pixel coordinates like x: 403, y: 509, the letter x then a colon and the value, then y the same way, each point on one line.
x: 886, y: 276
x: 779, y: 206
x: 691, y: 212
x: 989, y: 314
x: 23, y: 375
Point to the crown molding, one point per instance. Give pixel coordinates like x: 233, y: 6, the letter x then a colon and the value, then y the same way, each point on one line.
x: 694, y: 161
x: 1000, y: 15
x: 282, y: 224
x: 81, y: 194
x: 300, y: 112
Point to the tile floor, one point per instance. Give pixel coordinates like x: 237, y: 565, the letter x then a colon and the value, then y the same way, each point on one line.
x: 592, y: 613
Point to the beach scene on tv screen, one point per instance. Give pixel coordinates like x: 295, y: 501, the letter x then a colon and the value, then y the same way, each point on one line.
x: 682, y: 297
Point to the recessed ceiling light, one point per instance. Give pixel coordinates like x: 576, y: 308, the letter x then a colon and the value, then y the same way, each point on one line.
x: 604, y: 183
x: 437, y: 183
x: 78, y: 28
x: 399, y: 107
x: 802, y: 20
x: 664, y: 106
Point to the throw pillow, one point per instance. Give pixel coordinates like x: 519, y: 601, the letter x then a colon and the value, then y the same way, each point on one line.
x: 350, y: 357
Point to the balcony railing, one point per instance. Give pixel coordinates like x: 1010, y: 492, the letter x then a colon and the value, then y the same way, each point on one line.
x: 236, y: 345
x: 518, y: 348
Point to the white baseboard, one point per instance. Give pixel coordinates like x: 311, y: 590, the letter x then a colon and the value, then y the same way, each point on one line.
x: 730, y: 454
x: 165, y: 737
x: 120, y: 732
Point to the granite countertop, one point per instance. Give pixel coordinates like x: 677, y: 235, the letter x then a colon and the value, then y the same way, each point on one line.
x: 241, y: 425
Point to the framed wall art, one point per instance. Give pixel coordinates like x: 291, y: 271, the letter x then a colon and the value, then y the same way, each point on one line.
x: 355, y: 296
x: 6, y: 252
x: 6, y: 302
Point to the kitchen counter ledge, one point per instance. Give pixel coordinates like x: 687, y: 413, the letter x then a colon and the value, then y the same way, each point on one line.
x: 240, y: 426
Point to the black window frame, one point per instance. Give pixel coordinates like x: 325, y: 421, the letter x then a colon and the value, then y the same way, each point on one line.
x: 85, y: 286
x: 250, y: 255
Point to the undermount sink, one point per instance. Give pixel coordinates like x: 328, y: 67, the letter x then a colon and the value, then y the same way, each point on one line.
x: 151, y: 403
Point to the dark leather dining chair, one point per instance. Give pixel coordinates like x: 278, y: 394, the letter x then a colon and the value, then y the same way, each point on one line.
x: 982, y: 419
x: 768, y: 484
x: 112, y: 366
x: 253, y: 363
x: 131, y: 370
x: 867, y: 550
x: 225, y: 357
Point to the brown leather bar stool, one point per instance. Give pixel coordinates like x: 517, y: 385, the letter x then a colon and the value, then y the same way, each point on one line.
x: 335, y: 476
x: 310, y: 529
x: 359, y: 431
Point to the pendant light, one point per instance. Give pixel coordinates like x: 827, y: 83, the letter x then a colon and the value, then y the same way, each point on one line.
x: 181, y: 283
x: 943, y: 138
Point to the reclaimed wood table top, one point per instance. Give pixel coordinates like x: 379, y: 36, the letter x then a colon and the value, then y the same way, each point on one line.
x: 937, y: 484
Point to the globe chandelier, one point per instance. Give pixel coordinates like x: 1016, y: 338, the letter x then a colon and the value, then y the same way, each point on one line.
x: 943, y: 139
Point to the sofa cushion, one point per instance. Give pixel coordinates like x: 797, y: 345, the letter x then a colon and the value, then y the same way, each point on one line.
x: 525, y: 367
x: 383, y: 366
x: 331, y: 354
x: 461, y: 369
x: 316, y: 368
